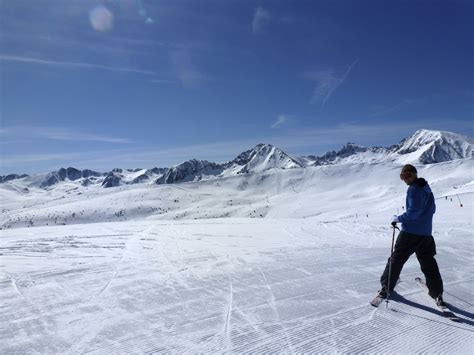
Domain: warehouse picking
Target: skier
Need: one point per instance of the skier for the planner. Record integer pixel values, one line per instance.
(415, 236)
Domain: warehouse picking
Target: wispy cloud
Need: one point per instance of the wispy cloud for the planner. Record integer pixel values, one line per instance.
(164, 81)
(20, 159)
(80, 65)
(110, 45)
(61, 134)
(69, 135)
(327, 83)
(386, 110)
(152, 43)
(188, 74)
(281, 119)
(261, 18)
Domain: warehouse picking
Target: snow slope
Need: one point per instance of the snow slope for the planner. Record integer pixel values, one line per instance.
(340, 190)
(280, 260)
(229, 285)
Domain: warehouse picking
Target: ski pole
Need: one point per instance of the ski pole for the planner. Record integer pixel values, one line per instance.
(390, 265)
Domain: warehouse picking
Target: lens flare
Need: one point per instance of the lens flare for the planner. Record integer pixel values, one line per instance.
(101, 19)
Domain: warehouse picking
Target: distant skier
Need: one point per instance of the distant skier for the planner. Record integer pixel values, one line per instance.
(415, 236)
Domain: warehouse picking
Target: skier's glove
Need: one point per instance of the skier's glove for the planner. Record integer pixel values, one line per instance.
(395, 221)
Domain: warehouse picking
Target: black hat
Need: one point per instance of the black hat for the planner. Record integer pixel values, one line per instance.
(408, 168)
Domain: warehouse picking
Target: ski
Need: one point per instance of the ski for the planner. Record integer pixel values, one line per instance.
(447, 313)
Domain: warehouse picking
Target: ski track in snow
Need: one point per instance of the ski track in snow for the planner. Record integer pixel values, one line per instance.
(227, 328)
(157, 294)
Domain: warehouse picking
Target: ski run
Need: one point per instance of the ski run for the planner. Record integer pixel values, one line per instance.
(210, 275)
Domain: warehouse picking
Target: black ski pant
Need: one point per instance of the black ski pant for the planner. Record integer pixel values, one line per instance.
(425, 249)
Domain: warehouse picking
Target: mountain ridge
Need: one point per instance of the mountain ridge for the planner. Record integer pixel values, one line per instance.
(422, 147)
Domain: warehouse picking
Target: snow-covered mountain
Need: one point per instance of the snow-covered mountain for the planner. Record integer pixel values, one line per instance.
(427, 147)
(261, 158)
(9, 177)
(348, 150)
(191, 170)
(71, 174)
(423, 147)
(263, 181)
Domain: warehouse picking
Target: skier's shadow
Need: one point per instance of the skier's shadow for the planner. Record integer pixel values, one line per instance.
(461, 311)
(399, 298)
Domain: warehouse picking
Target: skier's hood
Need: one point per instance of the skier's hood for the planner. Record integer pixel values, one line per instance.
(421, 182)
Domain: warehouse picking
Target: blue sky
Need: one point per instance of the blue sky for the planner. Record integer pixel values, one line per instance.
(136, 83)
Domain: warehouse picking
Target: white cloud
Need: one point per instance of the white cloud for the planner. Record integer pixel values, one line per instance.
(261, 18)
(31, 60)
(19, 159)
(190, 77)
(109, 44)
(281, 119)
(67, 135)
(62, 134)
(186, 71)
(326, 83)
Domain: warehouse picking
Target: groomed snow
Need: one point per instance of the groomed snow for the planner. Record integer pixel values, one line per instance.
(297, 280)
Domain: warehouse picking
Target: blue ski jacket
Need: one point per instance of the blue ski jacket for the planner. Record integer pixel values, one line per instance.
(420, 208)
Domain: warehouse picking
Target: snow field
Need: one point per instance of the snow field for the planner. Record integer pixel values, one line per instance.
(298, 280)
